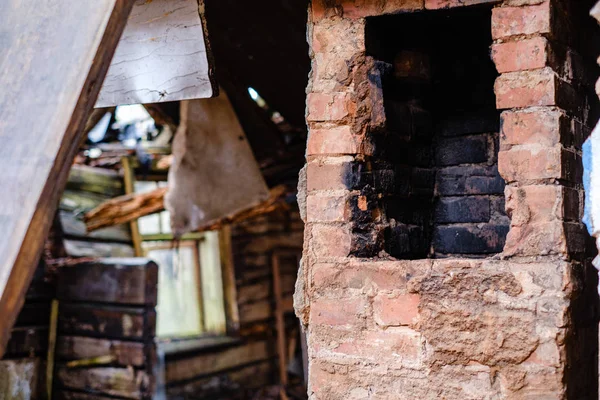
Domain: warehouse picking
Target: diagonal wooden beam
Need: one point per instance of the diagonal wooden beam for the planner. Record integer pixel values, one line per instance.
(55, 54)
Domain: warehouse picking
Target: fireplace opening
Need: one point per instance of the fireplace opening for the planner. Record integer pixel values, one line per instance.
(440, 137)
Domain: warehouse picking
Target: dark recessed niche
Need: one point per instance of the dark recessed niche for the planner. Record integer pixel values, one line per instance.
(440, 139)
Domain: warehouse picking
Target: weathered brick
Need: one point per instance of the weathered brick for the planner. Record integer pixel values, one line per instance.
(526, 89)
(396, 310)
(545, 127)
(528, 20)
(521, 55)
(437, 4)
(541, 203)
(330, 241)
(536, 239)
(327, 208)
(328, 175)
(327, 107)
(391, 346)
(521, 164)
(462, 150)
(338, 140)
(347, 312)
(462, 209)
(469, 239)
(382, 275)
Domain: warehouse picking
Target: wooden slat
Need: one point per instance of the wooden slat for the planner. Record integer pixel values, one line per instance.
(119, 281)
(54, 56)
(79, 348)
(120, 382)
(161, 56)
(204, 364)
(95, 180)
(26, 341)
(68, 395)
(109, 322)
(20, 379)
(232, 315)
(80, 248)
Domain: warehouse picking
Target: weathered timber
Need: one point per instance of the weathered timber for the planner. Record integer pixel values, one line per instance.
(210, 149)
(20, 379)
(202, 364)
(90, 249)
(27, 341)
(68, 395)
(228, 278)
(162, 56)
(71, 348)
(109, 322)
(118, 281)
(130, 207)
(119, 382)
(262, 310)
(104, 182)
(34, 314)
(279, 321)
(261, 290)
(43, 108)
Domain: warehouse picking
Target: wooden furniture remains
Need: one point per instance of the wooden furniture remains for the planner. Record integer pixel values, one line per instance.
(54, 56)
(106, 329)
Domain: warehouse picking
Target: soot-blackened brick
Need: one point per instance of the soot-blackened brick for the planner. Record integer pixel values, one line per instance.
(456, 181)
(470, 239)
(412, 211)
(406, 241)
(469, 124)
(462, 150)
(450, 210)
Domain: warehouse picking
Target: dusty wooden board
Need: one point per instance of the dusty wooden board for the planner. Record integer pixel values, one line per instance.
(118, 382)
(108, 322)
(54, 55)
(210, 150)
(162, 56)
(20, 379)
(117, 281)
(79, 348)
(203, 364)
(80, 248)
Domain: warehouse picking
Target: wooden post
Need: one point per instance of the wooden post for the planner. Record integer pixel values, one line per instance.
(55, 55)
(280, 323)
(228, 275)
(128, 177)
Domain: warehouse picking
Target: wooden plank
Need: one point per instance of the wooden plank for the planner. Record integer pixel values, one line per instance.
(210, 150)
(80, 248)
(213, 302)
(75, 228)
(108, 322)
(262, 310)
(68, 395)
(78, 348)
(20, 379)
(101, 181)
(162, 56)
(121, 382)
(27, 341)
(179, 347)
(34, 314)
(203, 364)
(43, 109)
(129, 189)
(130, 281)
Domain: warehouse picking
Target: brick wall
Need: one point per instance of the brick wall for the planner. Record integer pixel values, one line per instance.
(522, 324)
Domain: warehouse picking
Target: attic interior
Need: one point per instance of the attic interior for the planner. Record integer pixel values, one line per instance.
(218, 321)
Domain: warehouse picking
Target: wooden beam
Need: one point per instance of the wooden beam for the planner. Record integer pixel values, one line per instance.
(55, 55)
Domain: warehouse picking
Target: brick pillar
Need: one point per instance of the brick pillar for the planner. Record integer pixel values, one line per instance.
(519, 325)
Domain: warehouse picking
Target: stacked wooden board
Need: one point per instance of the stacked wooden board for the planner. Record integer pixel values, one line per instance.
(106, 330)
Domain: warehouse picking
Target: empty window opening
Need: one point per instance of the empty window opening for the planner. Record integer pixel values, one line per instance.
(440, 139)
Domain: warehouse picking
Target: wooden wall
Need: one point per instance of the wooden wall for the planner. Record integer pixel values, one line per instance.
(235, 369)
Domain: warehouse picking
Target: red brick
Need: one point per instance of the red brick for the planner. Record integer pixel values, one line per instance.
(347, 312)
(521, 55)
(327, 208)
(436, 4)
(541, 126)
(330, 241)
(327, 107)
(526, 89)
(396, 311)
(326, 176)
(525, 164)
(338, 140)
(528, 20)
(393, 344)
(536, 239)
(535, 204)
